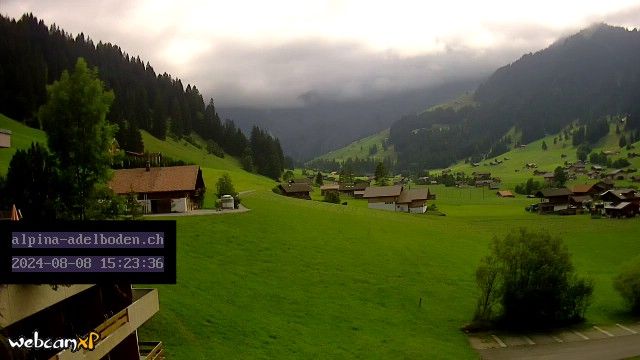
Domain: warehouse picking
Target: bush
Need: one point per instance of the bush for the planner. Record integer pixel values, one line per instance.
(332, 197)
(224, 186)
(528, 282)
(276, 189)
(236, 201)
(620, 163)
(627, 283)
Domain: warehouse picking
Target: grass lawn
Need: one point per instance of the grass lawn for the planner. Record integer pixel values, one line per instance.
(300, 279)
(307, 279)
(21, 138)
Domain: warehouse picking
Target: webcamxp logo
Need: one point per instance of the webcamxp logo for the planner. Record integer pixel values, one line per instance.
(74, 344)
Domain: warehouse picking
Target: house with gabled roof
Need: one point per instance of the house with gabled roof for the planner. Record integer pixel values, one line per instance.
(397, 198)
(296, 190)
(162, 189)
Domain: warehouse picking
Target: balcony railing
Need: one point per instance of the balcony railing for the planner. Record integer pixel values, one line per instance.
(151, 350)
(115, 329)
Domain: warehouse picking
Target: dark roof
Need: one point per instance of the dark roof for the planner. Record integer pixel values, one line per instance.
(330, 187)
(295, 188)
(382, 191)
(621, 194)
(157, 179)
(407, 196)
(582, 188)
(581, 198)
(618, 206)
(553, 192)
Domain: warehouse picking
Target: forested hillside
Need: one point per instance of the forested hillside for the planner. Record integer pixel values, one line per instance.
(582, 78)
(34, 56)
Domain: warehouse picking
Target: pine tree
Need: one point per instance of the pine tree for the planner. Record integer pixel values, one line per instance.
(544, 145)
(623, 141)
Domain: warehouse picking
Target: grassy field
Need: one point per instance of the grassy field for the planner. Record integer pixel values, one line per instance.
(306, 279)
(300, 279)
(512, 171)
(21, 138)
(360, 149)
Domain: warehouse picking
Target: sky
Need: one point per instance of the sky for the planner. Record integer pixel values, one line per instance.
(283, 53)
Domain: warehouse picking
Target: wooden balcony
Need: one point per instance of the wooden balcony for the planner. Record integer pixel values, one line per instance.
(115, 329)
(21, 301)
(151, 350)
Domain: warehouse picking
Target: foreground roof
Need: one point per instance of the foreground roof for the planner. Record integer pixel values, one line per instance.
(582, 188)
(382, 191)
(156, 179)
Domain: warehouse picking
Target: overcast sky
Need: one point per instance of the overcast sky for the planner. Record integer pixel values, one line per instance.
(278, 53)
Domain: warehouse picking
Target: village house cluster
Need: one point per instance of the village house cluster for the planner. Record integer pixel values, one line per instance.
(598, 199)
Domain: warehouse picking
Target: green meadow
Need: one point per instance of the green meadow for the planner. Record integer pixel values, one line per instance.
(307, 279)
(360, 149)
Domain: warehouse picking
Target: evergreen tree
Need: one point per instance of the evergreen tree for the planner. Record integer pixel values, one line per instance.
(32, 182)
(544, 145)
(559, 176)
(319, 181)
(381, 174)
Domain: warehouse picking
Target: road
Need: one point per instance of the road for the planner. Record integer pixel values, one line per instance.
(613, 348)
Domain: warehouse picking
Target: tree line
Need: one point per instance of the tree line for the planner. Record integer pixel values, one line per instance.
(34, 55)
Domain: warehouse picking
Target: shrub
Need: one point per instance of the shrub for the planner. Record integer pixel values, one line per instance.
(627, 283)
(332, 197)
(224, 186)
(276, 189)
(528, 281)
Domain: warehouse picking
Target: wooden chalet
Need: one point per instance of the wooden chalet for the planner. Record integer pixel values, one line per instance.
(5, 138)
(412, 201)
(585, 189)
(620, 195)
(296, 190)
(383, 197)
(553, 199)
(324, 189)
(162, 189)
(622, 209)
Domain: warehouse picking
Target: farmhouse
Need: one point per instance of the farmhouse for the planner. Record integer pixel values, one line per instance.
(296, 190)
(584, 189)
(333, 187)
(618, 195)
(621, 209)
(5, 138)
(552, 200)
(383, 197)
(397, 198)
(162, 189)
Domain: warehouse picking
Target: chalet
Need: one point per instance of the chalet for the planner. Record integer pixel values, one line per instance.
(494, 186)
(412, 201)
(578, 167)
(620, 195)
(617, 174)
(296, 190)
(553, 200)
(596, 168)
(621, 209)
(162, 189)
(580, 201)
(5, 138)
(333, 187)
(383, 197)
(397, 198)
(505, 194)
(602, 186)
(359, 187)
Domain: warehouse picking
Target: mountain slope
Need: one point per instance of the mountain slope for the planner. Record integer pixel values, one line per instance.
(317, 128)
(21, 138)
(576, 78)
(362, 149)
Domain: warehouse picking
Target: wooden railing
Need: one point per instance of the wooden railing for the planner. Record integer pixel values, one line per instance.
(151, 350)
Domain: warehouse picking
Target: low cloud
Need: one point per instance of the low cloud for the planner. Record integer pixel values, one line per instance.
(282, 61)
